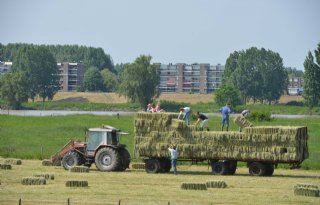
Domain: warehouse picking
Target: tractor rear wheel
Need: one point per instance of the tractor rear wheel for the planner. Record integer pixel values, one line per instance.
(70, 160)
(125, 159)
(107, 159)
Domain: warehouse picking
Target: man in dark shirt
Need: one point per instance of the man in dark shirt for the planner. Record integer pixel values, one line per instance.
(203, 119)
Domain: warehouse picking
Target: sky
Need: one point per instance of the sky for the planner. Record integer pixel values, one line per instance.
(171, 31)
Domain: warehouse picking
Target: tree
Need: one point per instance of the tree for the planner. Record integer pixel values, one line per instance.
(256, 73)
(13, 89)
(293, 72)
(93, 80)
(109, 80)
(139, 80)
(311, 85)
(227, 94)
(40, 69)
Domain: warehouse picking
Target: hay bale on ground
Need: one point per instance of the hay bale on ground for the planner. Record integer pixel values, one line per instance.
(79, 169)
(45, 175)
(76, 183)
(5, 166)
(307, 190)
(138, 166)
(216, 184)
(13, 161)
(193, 186)
(47, 162)
(33, 181)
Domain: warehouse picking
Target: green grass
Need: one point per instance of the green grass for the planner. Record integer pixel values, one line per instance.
(40, 137)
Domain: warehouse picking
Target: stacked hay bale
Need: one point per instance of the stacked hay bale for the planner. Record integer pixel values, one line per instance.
(5, 166)
(81, 169)
(216, 184)
(45, 175)
(307, 190)
(155, 131)
(242, 121)
(77, 183)
(33, 181)
(193, 186)
(47, 162)
(13, 161)
(138, 166)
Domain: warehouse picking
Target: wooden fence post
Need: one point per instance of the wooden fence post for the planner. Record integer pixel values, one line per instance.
(68, 201)
(119, 203)
(19, 201)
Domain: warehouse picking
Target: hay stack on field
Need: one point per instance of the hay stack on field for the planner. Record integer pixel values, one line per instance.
(13, 161)
(79, 169)
(307, 190)
(138, 166)
(45, 175)
(193, 186)
(77, 183)
(5, 166)
(216, 184)
(242, 122)
(33, 181)
(47, 162)
(155, 131)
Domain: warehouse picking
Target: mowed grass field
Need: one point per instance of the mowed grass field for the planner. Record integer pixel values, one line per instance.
(136, 187)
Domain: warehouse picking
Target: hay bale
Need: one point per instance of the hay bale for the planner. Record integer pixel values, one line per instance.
(76, 183)
(79, 169)
(45, 175)
(47, 162)
(33, 181)
(242, 121)
(193, 186)
(138, 166)
(307, 190)
(216, 184)
(5, 166)
(13, 161)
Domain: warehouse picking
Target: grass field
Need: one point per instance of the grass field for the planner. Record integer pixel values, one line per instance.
(40, 137)
(139, 188)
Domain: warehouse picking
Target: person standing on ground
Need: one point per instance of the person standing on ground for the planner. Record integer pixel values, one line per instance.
(225, 116)
(174, 157)
(203, 119)
(185, 112)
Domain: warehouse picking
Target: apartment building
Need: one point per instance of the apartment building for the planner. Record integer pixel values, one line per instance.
(184, 78)
(71, 76)
(295, 86)
(5, 67)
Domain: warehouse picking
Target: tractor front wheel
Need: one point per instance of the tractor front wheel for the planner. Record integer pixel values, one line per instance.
(70, 160)
(107, 159)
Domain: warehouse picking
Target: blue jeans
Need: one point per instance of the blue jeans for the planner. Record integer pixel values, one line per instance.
(225, 120)
(174, 165)
(186, 117)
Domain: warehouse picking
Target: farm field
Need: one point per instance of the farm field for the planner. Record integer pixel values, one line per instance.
(136, 187)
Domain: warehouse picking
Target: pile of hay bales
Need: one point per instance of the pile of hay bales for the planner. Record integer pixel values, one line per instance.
(307, 190)
(155, 131)
(33, 181)
(77, 183)
(5, 166)
(79, 169)
(45, 175)
(13, 161)
(47, 162)
(216, 184)
(242, 121)
(138, 166)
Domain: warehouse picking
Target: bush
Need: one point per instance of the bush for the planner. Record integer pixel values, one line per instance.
(260, 116)
(295, 103)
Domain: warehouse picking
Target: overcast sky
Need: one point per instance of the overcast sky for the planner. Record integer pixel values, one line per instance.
(171, 31)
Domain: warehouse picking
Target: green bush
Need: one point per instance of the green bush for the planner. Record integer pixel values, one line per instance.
(259, 116)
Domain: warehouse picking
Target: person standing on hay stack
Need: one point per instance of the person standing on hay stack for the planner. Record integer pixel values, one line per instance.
(203, 119)
(174, 157)
(245, 115)
(225, 116)
(185, 113)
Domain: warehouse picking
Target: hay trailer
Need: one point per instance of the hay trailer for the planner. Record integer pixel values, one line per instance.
(261, 148)
(102, 148)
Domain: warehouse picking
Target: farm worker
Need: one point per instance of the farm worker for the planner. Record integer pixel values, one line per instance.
(225, 116)
(185, 112)
(157, 108)
(245, 113)
(149, 108)
(203, 119)
(174, 157)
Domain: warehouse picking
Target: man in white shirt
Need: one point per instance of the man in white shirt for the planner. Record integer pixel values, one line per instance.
(174, 157)
(185, 112)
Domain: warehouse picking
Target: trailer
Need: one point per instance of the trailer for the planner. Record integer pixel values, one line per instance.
(262, 148)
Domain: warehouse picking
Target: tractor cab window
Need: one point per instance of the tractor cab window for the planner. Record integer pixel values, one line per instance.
(95, 140)
(112, 138)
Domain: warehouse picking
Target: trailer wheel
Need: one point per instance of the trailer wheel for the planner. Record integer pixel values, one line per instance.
(125, 159)
(257, 169)
(165, 165)
(152, 166)
(232, 167)
(107, 159)
(70, 160)
(219, 168)
(269, 169)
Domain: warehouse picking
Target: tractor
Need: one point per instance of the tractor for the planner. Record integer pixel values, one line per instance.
(102, 148)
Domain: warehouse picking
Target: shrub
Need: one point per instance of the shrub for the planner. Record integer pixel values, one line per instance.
(260, 116)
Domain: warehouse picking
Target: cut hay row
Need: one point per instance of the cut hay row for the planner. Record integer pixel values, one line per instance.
(47, 162)
(79, 169)
(216, 184)
(193, 186)
(13, 161)
(302, 191)
(5, 166)
(138, 166)
(33, 181)
(242, 122)
(154, 131)
(76, 183)
(45, 175)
